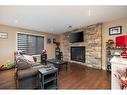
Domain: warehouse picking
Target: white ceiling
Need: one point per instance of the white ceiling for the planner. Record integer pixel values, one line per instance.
(56, 19)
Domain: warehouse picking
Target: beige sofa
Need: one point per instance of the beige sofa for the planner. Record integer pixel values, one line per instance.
(27, 78)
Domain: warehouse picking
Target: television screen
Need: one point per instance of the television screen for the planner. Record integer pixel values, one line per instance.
(76, 37)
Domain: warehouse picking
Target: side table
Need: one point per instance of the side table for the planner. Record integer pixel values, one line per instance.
(48, 78)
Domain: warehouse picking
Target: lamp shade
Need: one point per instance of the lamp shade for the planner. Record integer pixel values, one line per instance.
(121, 41)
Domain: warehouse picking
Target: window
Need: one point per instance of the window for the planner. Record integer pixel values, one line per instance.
(30, 44)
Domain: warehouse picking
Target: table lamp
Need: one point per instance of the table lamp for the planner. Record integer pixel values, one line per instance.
(121, 41)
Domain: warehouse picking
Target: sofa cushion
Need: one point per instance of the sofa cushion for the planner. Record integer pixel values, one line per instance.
(36, 64)
(26, 73)
(38, 67)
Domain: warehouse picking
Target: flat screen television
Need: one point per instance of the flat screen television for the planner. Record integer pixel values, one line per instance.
(76, 37)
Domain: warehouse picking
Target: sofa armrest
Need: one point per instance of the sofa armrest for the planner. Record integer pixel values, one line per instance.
(26, 73)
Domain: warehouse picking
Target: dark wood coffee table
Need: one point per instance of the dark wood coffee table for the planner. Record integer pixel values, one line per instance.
(57, 63)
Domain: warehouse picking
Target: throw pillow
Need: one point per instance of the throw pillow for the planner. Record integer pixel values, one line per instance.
(29, 58)
(35, 59)
(22, 64)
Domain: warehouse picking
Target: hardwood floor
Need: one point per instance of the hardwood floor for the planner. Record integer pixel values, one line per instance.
(76, 77)
(7, 80)
(81, 77)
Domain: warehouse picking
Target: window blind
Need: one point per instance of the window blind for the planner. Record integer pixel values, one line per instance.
(30, 44)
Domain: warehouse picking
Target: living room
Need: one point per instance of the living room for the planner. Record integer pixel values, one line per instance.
(85, 60)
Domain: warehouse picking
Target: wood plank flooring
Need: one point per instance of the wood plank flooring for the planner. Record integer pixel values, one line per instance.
(76, 77)
(82, 77)
(7, 80)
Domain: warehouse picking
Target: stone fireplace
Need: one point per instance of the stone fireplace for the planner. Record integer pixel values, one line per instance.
(78, 53)
(92, 44)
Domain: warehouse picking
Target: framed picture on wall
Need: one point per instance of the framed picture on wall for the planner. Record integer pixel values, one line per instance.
(3, 35)
(115, 30)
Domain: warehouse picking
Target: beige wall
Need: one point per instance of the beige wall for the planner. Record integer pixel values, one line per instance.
(105, 34)
(8, 46)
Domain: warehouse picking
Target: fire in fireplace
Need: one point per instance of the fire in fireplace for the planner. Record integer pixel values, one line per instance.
(78, 53)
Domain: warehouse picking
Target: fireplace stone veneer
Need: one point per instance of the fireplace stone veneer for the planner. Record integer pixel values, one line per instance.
(92, 43)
